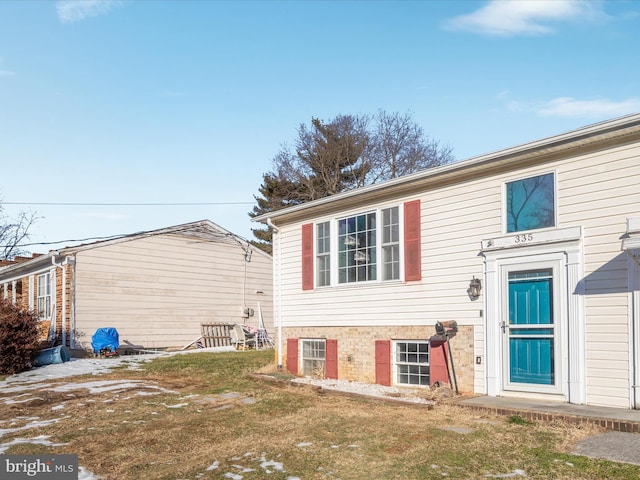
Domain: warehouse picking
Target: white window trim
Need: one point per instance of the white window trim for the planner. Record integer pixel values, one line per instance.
(301, 357)
(333, 226)
(50, 277)
(503, 202)
(394, 362)
(331, 253)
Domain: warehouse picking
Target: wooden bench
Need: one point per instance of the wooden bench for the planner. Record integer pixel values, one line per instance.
(216, 334)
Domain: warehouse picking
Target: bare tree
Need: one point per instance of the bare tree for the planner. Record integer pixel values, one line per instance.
(400, 147)
(347, 152)
(13, 232)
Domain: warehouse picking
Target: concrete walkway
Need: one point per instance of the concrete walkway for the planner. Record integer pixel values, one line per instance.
(620, 443)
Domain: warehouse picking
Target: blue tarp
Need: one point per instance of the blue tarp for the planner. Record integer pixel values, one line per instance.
(105, 338)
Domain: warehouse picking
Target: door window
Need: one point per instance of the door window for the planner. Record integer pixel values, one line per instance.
(531, 328)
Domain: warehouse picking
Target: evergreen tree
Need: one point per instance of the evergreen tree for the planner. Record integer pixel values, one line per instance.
(348, 152)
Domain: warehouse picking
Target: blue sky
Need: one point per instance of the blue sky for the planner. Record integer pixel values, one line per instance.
(149, 102)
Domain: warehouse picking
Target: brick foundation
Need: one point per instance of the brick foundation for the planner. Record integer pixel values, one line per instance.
(356, 348)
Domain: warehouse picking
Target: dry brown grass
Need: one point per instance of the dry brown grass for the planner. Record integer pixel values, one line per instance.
(314, 434)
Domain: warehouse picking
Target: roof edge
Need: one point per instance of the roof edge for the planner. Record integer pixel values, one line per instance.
(563, 141)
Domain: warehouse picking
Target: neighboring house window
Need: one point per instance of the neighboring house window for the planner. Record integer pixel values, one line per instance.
(357, 248)
(323, 257)
(390, 244)
(411, 362)
(531, 203)
(313, 358)
(44, 296)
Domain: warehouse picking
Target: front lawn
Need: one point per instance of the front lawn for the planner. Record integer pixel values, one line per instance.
(202, 416)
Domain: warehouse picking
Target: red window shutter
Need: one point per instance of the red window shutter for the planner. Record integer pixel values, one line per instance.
(412, 244)
(383, 362)
(331, 359)
(292, 355)
(438, 362)
(307, 256)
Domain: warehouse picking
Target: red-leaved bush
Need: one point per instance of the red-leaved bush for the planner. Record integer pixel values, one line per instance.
(18, 338)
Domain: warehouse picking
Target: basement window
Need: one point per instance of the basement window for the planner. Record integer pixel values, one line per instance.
(411, 362)
(314, 358)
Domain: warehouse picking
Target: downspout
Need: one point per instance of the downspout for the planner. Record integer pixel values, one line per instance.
(277, 293)
(62, 266)
(72, 302)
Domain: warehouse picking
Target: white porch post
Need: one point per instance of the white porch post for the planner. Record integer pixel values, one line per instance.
(576, 327)
(492, 328)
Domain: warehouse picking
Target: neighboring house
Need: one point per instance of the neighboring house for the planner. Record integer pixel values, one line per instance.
(156, 288)
(550, 228)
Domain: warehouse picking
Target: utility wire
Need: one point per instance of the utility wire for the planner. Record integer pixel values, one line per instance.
(127, 204)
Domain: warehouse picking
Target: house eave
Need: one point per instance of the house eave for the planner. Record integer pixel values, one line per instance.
(29, 267)
(582, 140)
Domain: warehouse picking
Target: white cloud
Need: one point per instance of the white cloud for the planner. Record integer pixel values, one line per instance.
(568, 107)
(76, 10)
(524, 17)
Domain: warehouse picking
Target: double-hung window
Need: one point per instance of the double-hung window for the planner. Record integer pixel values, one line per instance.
(531, 203)
(44, 296)
(390, 244)
(323, 254)
(411, 362)
(314, 357)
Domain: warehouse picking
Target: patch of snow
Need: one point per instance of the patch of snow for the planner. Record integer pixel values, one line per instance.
(304, 444)
(91, 366)
(31, 424)
(213, 466)
(233, 476)
(84, 474)
(101, 386)
(39, 440)
(177, 405)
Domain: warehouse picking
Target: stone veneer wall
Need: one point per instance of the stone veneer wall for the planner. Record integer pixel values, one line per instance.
(356, 348)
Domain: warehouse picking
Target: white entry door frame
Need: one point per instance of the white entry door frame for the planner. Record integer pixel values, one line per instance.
(558, 251)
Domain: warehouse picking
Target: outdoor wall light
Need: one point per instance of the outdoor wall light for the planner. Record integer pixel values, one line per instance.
(475, 285)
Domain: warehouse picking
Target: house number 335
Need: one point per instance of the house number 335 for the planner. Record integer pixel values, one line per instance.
(524, 238)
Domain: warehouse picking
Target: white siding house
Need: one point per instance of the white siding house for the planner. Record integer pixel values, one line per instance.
(156, 288)
(550, 228)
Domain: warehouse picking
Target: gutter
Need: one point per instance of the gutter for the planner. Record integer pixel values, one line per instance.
(277, 291)
(588, 137)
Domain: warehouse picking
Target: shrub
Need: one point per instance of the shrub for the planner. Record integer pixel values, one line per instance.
(18, 338)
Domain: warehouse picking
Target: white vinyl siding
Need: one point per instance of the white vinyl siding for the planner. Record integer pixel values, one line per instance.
(156, 291)
(596, 191)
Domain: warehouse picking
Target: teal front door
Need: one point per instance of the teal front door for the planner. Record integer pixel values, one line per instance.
(530, 331)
